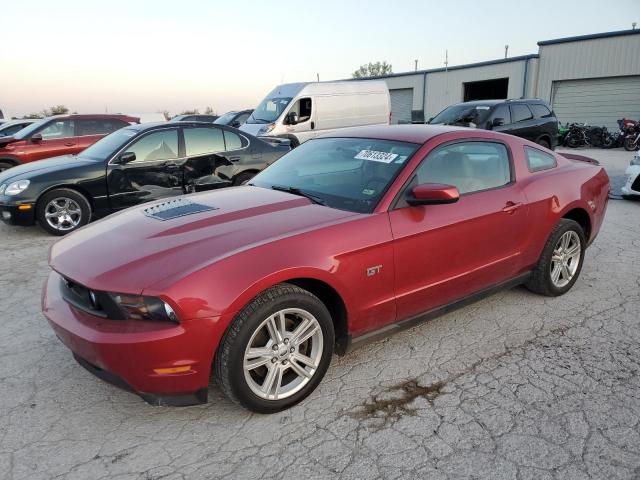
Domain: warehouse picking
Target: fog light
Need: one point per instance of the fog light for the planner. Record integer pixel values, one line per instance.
(6, 215)
(166, 371)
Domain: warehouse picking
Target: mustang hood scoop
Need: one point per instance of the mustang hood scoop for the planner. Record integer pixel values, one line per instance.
(178, 207)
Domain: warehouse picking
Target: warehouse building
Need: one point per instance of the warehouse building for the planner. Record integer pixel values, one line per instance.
(591, 78)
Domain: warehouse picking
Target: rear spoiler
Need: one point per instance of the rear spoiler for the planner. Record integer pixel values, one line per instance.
(277, 141)
(580, 158)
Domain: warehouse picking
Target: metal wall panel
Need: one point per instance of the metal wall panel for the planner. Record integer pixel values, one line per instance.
(401, 104)
(446, 88)
(599, 101)
(602, 57)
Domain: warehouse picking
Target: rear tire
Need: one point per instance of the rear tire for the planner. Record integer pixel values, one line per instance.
(630, 144)
(543, 142)
(549, 277)
(572, 142)
(62, 211)
(4, 165)
(267, 368)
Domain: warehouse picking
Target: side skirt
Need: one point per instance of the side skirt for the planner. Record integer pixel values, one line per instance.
(353, 343)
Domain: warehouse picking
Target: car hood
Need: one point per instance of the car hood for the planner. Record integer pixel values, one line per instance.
(131, 251)
(252, 128)
(41, 167)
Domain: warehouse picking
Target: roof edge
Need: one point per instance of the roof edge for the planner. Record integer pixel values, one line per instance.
(592, 36)
(454, 67)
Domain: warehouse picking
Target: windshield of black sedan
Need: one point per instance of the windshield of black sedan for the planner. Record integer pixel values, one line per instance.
(107, 146)
(345, 173)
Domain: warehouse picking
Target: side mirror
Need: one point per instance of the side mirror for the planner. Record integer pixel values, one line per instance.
(126, 157)
(235, 124)
(497, 122)
(37, 138)
(433, 194)
(292, 118)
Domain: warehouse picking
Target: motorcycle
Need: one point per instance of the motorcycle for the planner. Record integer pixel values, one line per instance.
(577, 135)
(630, 134)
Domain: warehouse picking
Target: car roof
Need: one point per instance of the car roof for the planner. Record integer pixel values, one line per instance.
(497, 101)
(401, 133)
(142, 127)
(92, 116)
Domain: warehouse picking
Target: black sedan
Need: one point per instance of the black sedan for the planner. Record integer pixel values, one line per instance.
(133, 165)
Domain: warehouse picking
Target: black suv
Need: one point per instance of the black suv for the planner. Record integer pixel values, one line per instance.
(532, 119)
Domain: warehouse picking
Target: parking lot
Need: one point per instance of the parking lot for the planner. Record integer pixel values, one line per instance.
(517, 386)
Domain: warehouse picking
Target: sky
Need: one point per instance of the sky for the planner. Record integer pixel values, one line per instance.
(135, 56)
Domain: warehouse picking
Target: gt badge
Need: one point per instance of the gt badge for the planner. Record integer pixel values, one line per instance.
(371, 271)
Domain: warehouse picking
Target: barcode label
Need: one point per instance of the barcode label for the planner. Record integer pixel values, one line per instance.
(375, 156)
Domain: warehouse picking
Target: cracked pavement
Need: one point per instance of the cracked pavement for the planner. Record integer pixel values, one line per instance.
(516, 386)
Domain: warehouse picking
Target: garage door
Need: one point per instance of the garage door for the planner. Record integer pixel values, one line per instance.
(401, 104)
(597, 101)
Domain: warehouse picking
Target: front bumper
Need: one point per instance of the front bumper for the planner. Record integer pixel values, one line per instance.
(127, 353)
(632, 184)
(18, 213)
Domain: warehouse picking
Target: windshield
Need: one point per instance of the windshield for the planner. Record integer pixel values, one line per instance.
(28, 131)
(462, 114)
(107, 146)
(344, 173)
(269, 110)
(226, 118)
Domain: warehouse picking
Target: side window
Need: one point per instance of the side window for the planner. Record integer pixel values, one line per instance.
(539, 110)
(156, 146)
(520, 112)
(59, 129)
(233, 141)
(99, 127)
(469, 166)
(199, 141)
(303, 108)
(502, 111)
(538, 160)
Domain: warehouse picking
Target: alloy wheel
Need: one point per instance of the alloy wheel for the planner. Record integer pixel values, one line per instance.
(566, 258)
(283, 354)
(63, 214)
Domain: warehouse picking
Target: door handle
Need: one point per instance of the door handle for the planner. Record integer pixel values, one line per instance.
(313, 125)
(69, 144)
(511, 207)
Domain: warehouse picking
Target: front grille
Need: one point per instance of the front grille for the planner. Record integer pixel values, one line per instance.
(80, 297)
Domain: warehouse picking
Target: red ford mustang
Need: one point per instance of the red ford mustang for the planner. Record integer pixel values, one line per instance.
(346, 238)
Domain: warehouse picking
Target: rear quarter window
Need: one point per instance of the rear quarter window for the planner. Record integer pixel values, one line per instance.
(539, 110)
(538, 160)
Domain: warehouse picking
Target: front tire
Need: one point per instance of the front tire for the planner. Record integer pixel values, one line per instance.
(62, 211)
(561, 261)
(543, 142)
(276, 350)
(243, 178)
(630, 144)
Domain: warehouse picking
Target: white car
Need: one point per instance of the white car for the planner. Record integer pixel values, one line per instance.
(632, 186)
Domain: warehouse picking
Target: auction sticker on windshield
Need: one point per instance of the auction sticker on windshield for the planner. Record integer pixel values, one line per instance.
(376, 156)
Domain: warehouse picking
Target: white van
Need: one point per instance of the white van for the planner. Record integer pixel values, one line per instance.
(300, 111)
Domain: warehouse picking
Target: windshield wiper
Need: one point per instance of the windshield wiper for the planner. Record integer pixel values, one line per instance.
(297, 191)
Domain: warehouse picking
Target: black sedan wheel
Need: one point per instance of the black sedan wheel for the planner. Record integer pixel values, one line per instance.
(62, 211)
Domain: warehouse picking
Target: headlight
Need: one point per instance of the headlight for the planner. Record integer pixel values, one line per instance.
(16, 187)
(267, 128)
(635, 160)
(138, 307)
